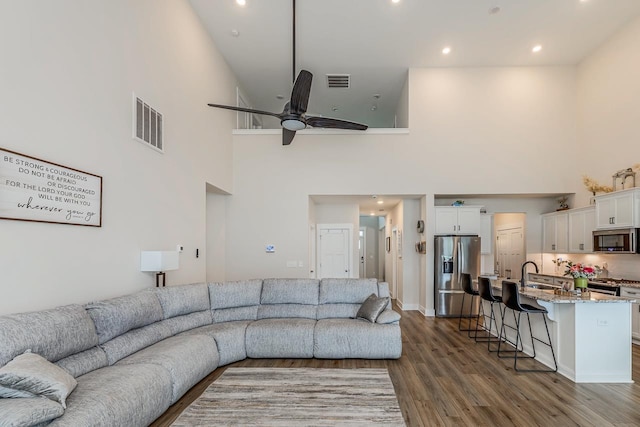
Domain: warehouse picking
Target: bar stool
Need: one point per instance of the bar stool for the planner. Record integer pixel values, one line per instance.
(486, 294)
(511, 299)
(468, 289)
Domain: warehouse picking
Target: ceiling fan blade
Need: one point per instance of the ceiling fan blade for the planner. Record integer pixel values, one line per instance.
(245, 110)
(328, 122)
(287, 136)
(300, 93)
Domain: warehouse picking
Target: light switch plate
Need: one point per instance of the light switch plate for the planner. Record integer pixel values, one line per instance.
(270, 249)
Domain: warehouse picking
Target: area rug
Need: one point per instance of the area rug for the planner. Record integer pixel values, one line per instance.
(296, 397)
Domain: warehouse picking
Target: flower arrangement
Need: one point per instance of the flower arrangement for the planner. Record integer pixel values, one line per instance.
(594, 186)
(578, 270)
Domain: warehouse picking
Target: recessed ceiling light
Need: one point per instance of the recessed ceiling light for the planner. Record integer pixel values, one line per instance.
(380, 202)
(279, 97)
(235, 33)
(334, 108)
(241, 2)
(372, 214)
(395, 1)
(494, 10)
(374, 107)
(446, 50)
(537, 48)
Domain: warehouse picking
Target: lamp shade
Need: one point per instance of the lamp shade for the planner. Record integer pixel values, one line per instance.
(159, 261)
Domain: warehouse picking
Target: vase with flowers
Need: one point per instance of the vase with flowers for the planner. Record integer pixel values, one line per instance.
(580, 272)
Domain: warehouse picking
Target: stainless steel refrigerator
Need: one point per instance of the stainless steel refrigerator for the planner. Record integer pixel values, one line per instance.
(455, 255)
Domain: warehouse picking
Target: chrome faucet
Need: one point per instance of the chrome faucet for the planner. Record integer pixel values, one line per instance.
(523, 281)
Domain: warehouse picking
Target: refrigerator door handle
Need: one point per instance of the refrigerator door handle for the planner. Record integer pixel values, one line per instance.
(460, 261)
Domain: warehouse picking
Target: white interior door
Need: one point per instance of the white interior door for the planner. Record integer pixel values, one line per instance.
(511, 252)
(334, 251)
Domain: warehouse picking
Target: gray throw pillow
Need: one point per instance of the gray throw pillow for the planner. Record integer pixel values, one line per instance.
(372, 307)
(34, 374)
(28, 412)
(10, 393)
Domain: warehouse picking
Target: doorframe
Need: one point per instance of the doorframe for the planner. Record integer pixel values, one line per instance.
(364, 252)
(312, 252)
(349, 228)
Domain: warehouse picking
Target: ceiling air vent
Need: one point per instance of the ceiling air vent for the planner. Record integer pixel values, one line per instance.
(147, 124)
(342, 81)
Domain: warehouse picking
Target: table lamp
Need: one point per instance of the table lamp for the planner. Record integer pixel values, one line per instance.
(159, 262)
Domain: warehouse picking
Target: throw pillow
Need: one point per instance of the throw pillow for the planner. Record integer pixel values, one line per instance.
(372, 307)
(34, 374)
(10, 393)
(28, 412)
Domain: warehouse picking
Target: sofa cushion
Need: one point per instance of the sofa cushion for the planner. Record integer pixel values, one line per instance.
(280, 338)
(230, 339)
(84, 362)
(372, 307)
(34, 374)
(235, 313)
(356, 339)
(114, 317)
(188, 358)
(188, 321)
(135, 340)
(349, 291)
(28, 412)
(287, 311)
(128, 395)
(53, 334)
(290, 291)
(340, 311)
(242, 293)
(184, 299)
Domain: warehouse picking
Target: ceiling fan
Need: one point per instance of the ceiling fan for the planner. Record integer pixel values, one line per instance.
(293, 117)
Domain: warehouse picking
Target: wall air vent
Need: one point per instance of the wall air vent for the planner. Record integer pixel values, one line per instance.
(147, 124)
(342, 81)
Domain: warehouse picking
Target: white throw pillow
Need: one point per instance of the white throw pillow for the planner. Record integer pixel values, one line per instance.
(34, 374)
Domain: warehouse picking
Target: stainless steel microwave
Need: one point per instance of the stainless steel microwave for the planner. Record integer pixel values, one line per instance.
(618, 241)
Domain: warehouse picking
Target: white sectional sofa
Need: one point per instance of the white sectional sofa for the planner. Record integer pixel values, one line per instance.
(136, 355)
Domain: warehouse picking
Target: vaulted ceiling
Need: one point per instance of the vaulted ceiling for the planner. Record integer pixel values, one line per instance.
(377, 41)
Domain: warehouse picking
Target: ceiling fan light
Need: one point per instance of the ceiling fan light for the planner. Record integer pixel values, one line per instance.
(293, 125)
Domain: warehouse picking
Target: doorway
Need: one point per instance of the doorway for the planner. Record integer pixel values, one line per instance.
(334, 251)
(362, 252)
(510, 244)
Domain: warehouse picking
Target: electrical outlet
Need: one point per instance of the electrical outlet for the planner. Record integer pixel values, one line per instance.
(602, 322)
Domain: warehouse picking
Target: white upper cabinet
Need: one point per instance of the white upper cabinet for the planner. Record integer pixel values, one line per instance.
(582, 222)
(457, 220)
(555, 232)
(618, 209)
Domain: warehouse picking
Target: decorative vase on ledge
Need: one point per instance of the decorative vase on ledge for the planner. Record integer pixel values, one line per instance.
(580, 282)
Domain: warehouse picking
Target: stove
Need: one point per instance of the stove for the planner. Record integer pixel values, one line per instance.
(610, 286)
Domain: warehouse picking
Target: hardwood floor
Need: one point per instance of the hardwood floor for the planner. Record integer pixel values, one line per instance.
(445, 379)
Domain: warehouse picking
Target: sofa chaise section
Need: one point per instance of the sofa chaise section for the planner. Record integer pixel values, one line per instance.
(339, 335)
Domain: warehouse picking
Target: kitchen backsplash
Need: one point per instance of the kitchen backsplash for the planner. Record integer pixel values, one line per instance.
(626, 266)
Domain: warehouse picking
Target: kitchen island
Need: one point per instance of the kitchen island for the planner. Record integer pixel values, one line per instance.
(591, 336)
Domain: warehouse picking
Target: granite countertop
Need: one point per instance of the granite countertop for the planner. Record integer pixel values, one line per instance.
(549, 296)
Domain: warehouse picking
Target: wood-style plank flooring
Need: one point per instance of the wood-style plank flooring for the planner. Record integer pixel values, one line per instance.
(445, 379)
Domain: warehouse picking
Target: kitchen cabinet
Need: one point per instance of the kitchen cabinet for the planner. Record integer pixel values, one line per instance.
(582, 222)
(457, 220)
(555, 232)
(635, 311)
(486, 234)
(619, 209)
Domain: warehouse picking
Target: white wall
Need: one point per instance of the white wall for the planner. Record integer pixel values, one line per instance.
(474, 131)
(67, 76)
(608, 105)
(402, 110)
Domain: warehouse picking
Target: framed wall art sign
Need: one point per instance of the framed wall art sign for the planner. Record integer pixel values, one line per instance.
(36, 190)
